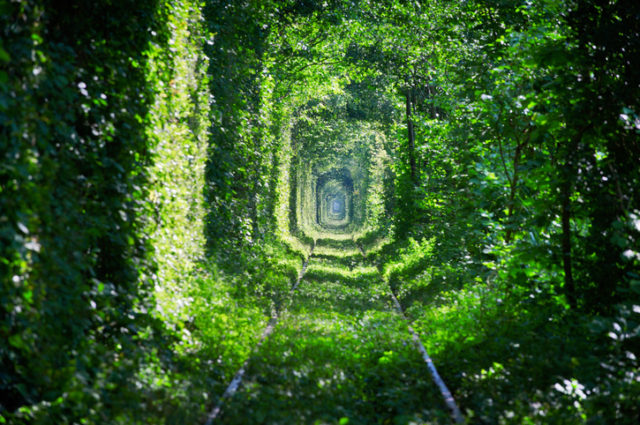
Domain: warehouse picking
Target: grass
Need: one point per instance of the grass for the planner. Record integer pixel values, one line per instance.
(341, 355)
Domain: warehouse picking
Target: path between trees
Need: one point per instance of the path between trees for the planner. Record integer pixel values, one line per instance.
(338, 352)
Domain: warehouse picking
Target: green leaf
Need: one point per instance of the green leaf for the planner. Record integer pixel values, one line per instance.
(4, 55)
(16, 341)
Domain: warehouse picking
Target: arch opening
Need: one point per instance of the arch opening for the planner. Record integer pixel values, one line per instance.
(334, 199)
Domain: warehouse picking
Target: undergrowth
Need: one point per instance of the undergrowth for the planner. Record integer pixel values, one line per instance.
(511, 350)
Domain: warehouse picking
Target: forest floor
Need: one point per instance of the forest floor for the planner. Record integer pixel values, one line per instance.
(340, 354)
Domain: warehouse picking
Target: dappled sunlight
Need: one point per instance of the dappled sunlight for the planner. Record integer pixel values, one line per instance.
(320, 212)
(341, 346)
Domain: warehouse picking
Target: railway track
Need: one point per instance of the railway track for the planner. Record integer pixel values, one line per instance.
(340, 351)
(456, 414)
(233, 386)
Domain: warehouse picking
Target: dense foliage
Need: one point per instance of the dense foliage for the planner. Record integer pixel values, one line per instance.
(76, 271)
(168, 166)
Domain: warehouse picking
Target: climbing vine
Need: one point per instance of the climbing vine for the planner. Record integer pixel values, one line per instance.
(169, 166)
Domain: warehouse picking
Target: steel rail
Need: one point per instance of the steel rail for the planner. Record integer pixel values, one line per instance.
(233, 386)
(456, 414)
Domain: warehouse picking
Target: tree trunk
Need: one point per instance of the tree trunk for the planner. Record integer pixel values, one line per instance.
(411, 136)
(512, 194)
(566, 241)
(567, 173)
